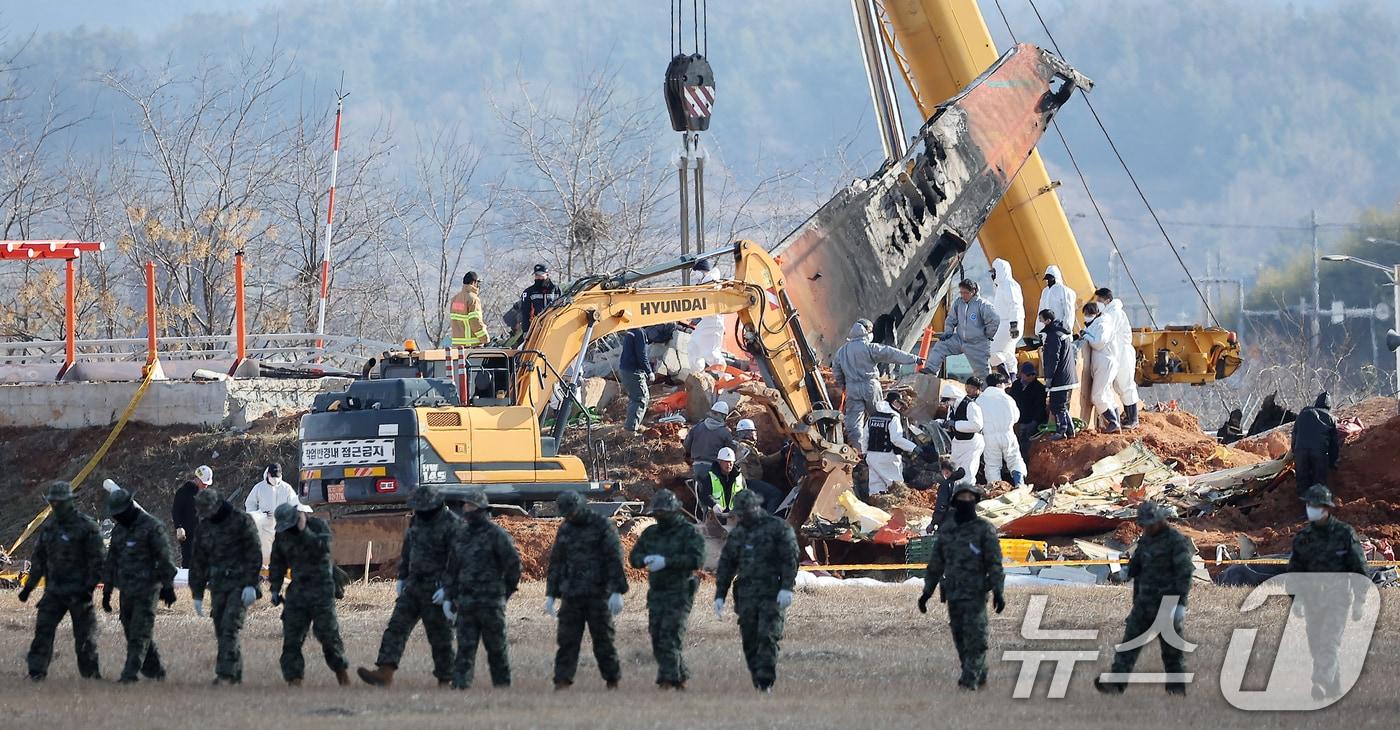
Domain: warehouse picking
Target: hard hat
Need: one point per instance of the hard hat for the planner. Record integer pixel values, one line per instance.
(426, 497)
(117, 502)
(664, 501)
(1150, 513)
(720, 407)
(476, 496)
(950, 391)
(725, 454)
(286, 516)
(59, 492)
(205, 475)
(568, 502)
(207, 502)
(1319, 494)
(746, 424)
(747, 499)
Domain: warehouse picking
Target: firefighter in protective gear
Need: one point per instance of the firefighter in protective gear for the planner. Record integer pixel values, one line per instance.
(883, 461)
(1103, 364)
(1125, 377)
(855, 369)
(468, 329)
(1057, 298)
(964, 427)
(999, 417)
(1010, 307)
(707, 341)
(969, 329)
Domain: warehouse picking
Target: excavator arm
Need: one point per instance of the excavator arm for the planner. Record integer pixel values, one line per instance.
(770, 330)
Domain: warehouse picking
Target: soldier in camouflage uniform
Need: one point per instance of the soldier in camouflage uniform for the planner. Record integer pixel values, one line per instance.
(303, 545)
(586, 572)
(140, 564)
(1326, 545)
(1160, 568)
(422, 564)
(227, 558)
(68, 558)
(760, 560)
(671, 550)
(483, 572)
(965, 565)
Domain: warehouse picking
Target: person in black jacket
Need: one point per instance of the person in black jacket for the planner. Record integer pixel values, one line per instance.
(182, 513)
(1058, 355)
(1316, 446)
(1029, 394)
(537, 297)
(634, 370)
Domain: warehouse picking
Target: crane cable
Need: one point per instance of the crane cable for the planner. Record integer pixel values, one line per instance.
(1085, 183)
(700, 26)
(1123, 163)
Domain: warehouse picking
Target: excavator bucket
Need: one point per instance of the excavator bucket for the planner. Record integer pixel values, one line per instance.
(886, 248)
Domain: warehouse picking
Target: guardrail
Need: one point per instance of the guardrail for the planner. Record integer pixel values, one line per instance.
(286, 350)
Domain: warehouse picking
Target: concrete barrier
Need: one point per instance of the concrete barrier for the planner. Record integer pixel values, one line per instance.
(223, 404)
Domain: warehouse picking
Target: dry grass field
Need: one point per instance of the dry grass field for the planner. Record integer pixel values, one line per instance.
(853, 658)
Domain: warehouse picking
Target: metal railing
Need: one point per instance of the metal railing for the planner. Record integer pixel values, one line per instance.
(287, 350)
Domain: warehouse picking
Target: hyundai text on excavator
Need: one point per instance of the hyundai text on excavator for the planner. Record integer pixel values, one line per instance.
(369, 447)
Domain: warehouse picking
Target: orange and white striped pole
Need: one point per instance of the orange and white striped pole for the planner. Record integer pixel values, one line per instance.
(330, 224)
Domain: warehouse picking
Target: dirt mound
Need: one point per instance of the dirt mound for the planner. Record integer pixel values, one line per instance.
(535, 536)
(1275, 443)
(1176, 437)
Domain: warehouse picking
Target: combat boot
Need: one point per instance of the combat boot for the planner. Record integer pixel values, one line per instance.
(613, 683)
(342, 677)
(1176, 688)
(444, 683)
(382, 676)
(665, 685)
(1130, 416)
(294, 682)
(678, 686)
(1111, 424)
(1109, 688)
(562, 684)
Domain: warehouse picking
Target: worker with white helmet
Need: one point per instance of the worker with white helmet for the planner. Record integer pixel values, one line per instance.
(756, 466)
(722, 483)
(182, 513)
(886, 442)
(999, 417)
(705, 439)
(964, 426)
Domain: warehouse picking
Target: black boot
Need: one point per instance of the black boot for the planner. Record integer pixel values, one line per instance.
(1130, 416)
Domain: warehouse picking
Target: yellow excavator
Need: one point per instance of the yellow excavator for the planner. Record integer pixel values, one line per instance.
(937, 47)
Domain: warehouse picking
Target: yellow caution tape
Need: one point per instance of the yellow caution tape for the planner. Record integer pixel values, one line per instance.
(92, 463)
(1053, 563)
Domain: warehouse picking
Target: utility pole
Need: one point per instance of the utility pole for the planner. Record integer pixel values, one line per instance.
(1316, 291)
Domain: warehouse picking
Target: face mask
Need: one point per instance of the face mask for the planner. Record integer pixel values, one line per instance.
(578, 516)
(275, 481)
(964, 511)
(668, 518)
(477, 515)
(126, 516)
(1316, 514)
(222, 512)
(62, 508)
(750, 516)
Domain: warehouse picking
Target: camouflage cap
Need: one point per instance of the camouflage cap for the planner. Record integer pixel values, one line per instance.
(746, 500)
(568, 502)
(476, 496)
(664, 501)
(424, 498)
(207, 502)
(59, 492)
(286, 516)
(118, 501)
(1150, 513)
(1319, 494)
(961, 487)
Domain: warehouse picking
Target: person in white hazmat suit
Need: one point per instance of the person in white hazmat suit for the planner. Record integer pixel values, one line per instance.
(263, 501)
(707, 341)
(1125, 378)
(964, 427)
(968, 330)
(1057, 298)
(1010, 307)
(1097, 339)
(885, 442)
(999, 417)
(854, 367)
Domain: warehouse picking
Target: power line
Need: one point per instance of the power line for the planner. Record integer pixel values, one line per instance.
(1227, 225)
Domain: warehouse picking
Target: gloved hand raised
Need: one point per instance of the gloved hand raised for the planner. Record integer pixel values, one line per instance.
(654, 562)
(439, 596)
(167, 594)
(615, 603)
(250, 594)
(719, 608)
(784, 598)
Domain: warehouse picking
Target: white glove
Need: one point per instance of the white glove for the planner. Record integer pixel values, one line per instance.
(199, 607)
(719, 608)
(1179, 615)
(398, 587)
(180, 534)
(655, 562)
(110, 485)
(784, 599)
(250, 594)
(448, 612)
(549, 606)
(439, 596)
(615, 603)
